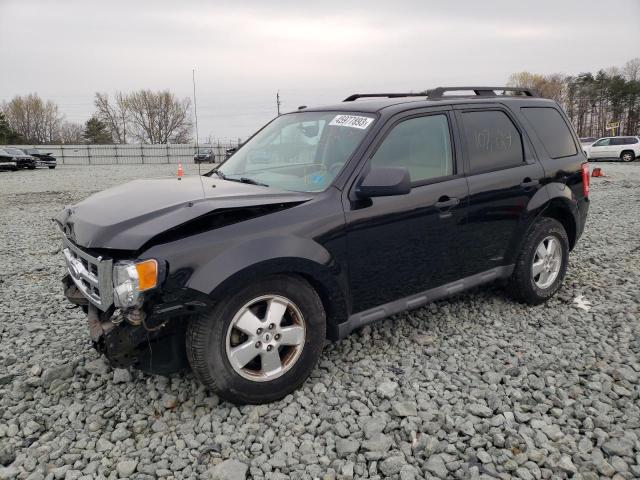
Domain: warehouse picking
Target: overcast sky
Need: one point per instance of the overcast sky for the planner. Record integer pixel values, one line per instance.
(313, 52)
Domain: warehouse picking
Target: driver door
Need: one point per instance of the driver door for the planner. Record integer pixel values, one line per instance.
(402, 245)
(600, 149)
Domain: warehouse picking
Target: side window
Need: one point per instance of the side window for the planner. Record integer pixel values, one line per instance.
(617, 141)
(632, 140)
(602, 143)
(422, 145)
(492, 139)
(552, 131)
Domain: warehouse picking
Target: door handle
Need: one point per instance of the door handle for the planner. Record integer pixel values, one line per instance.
(527, 183)
(446, 203)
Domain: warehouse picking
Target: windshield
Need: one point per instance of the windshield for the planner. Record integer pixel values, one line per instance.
(301, 151)
(14, 151)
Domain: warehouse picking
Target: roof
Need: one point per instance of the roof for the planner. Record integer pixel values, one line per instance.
(375, 105)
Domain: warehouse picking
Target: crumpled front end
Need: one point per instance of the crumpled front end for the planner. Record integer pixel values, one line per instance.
(149, 335)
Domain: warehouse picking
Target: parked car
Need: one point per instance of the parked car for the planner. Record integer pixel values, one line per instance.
(204, 156)
(7, 161)
(22, 159)
(42, 159)
(626, 149)
(363, 209)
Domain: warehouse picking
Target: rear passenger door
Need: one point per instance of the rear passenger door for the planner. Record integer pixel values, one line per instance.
(503, 175)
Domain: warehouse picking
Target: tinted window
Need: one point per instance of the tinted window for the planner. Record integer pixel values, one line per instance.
(630, 140)
(422, 145)
(617, 141)
(492, 139)
(552, 131)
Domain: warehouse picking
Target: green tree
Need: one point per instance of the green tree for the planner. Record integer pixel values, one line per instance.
(96, 132)
(7, 135)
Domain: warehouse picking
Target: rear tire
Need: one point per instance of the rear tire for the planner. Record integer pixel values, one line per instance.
(232, 349)
(542, 263)
(627, 156)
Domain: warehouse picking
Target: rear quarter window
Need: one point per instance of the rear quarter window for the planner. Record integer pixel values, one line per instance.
(552, 130)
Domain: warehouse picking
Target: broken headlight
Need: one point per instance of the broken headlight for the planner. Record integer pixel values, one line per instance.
(130, 279)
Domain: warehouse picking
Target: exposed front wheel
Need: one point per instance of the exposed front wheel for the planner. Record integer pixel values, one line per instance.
(627, 156)
(261, 343)
(542, 263)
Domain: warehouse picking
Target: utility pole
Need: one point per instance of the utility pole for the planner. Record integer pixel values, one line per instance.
(195, 105)
(278, 102)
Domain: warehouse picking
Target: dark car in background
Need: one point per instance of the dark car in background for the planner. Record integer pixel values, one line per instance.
(7, 161)
(204, 156)
(22, 159)
(42, 159)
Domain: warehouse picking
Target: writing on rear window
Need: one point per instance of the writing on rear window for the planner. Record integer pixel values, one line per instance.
(354, 121)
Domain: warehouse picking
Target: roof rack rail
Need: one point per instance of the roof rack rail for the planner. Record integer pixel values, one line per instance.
(437, 93)
(356, 96)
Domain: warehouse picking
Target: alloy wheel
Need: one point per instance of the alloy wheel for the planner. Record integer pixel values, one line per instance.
(547, 262)
(265, 338)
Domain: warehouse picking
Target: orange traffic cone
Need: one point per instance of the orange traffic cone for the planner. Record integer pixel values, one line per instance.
(180, 171)
(597, 172)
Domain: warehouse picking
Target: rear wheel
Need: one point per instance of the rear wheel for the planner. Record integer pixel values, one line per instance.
(542, 263)
(627, 156)
(261, 343)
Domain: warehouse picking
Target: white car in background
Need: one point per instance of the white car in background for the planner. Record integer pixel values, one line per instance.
(626, 149)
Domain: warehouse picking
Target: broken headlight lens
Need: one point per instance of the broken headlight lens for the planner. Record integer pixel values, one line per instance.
(132, 278)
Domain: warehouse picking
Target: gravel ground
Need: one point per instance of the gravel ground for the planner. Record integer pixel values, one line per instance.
(475, 386)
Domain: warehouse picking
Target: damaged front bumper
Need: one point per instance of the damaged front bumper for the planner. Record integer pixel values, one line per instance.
(151, 338)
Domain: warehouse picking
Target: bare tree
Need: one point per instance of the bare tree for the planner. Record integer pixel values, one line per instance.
(145, 116)
(548, 86)
(631, 70)
(33, 119)
(159, 117)
(71, 133)
(113, 115)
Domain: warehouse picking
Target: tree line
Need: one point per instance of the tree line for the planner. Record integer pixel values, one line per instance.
(142, 116)
(593, 101)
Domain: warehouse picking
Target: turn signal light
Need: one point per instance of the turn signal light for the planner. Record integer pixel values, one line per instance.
(147, 274)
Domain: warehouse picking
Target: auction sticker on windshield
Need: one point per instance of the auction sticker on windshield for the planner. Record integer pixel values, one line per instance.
(353, 121)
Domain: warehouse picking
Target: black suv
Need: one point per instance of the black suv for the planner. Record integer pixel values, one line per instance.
(326, 220)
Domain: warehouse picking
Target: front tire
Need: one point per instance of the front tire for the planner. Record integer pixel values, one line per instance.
(627, 156)
(260, 343)
(542, 263)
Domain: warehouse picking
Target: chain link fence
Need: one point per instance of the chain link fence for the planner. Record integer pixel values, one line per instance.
(131, 153)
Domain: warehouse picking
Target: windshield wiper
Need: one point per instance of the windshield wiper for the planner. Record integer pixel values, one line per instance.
(248, 180)
(251, 181)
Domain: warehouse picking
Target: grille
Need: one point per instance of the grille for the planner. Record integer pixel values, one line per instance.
(92, 275)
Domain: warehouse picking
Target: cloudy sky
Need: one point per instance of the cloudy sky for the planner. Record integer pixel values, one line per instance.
(312, 52)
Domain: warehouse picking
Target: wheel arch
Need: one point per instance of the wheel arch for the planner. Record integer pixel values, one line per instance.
(291, 255)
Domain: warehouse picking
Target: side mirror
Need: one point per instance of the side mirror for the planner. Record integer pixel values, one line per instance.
(384, 182)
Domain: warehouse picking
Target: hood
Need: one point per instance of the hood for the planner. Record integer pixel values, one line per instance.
(127, 216)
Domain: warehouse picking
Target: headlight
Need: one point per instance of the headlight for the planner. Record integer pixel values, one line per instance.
(130, 279)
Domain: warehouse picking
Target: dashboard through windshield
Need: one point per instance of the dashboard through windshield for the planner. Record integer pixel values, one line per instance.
(302, 151)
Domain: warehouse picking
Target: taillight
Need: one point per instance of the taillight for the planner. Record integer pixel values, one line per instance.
(585, 179)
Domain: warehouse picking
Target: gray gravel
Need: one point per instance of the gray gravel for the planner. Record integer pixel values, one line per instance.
(471, 387)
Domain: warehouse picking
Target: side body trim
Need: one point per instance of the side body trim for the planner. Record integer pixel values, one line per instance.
(366, 317)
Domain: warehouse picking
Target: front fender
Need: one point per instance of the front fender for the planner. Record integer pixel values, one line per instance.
(217, 269)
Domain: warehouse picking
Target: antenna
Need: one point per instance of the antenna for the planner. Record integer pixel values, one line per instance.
(278, 102)
(195, 111)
